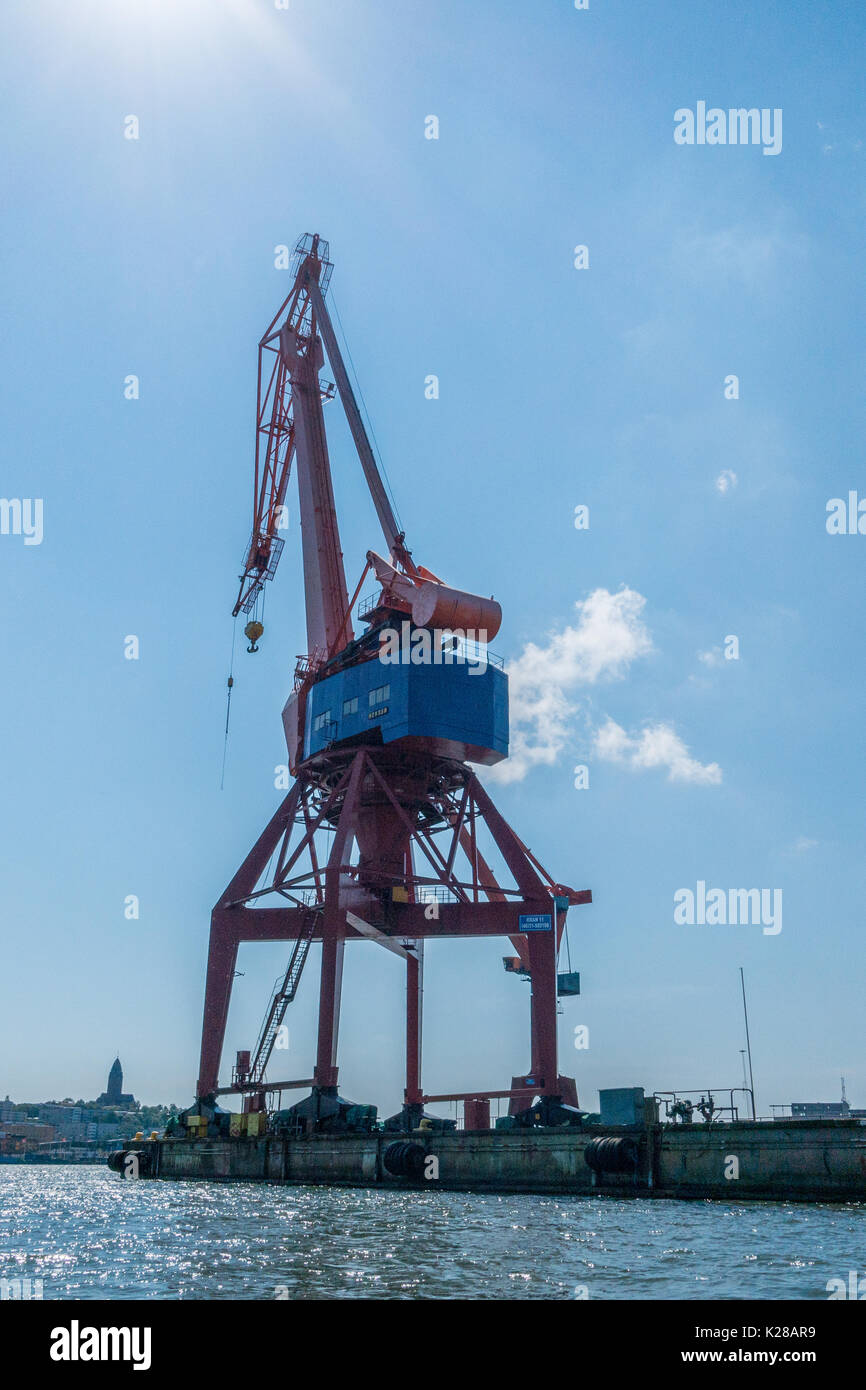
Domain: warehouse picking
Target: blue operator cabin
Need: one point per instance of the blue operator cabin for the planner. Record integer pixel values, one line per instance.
(457, 697)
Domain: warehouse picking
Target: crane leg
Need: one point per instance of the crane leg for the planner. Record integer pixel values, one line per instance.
(223, 948)
(330, 990)
(540, 950)
(334, 932)
(541, 957)
(414, 978)
(221, 960)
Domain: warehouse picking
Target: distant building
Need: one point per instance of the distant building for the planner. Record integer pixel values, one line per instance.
(113, 1093)
(102, 1130)
(820, 1110)
(69, 1121)
(26, 1133)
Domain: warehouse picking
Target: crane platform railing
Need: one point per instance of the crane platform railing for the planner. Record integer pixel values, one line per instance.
(462, 649)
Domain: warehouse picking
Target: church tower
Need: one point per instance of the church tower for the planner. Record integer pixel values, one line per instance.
(114, 1089)
(113, 1094)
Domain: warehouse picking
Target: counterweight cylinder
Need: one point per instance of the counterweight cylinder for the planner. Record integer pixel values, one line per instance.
(434, 605)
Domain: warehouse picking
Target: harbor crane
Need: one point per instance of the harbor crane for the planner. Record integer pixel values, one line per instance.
(385, 833)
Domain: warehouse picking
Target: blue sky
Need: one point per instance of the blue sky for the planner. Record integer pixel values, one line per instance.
(558, 387)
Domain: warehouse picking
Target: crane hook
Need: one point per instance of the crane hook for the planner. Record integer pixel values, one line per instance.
(254, 631)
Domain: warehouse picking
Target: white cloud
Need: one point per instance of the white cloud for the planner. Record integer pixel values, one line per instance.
(713, 657)
(657, 746)
(802, 845)
(726, 480)
(741, 254)
(608, 637)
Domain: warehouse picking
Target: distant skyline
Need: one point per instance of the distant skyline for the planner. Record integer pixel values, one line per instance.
(103, 1097)
(649, 394)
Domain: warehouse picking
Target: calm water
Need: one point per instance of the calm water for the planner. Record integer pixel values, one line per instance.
(88, 1234)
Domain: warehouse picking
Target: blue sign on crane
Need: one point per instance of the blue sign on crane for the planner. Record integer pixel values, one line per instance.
(535, 921)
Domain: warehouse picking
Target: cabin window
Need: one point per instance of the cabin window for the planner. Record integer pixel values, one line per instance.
(350, 706)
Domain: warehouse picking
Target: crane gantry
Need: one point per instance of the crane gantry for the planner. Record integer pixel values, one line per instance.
(380, 836)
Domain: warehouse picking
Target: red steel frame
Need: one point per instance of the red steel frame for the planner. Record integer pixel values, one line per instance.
(396, 808)
(390, 804)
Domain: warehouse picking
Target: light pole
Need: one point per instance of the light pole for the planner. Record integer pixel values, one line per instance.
(748, 1043)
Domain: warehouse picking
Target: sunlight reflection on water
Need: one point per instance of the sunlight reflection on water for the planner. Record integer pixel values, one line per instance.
(89, 1235)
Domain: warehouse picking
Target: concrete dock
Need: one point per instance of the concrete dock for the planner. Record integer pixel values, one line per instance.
(808, 1161)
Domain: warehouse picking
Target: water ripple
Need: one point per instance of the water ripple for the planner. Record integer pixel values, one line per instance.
(89, 1235)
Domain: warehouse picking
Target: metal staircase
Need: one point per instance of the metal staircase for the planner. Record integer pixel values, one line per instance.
(284, 992)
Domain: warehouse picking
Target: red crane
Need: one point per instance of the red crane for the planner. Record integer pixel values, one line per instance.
(386, 834)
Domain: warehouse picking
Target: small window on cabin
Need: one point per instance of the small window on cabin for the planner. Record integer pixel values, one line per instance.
(380, 695)
(321, 720)
(350, 706)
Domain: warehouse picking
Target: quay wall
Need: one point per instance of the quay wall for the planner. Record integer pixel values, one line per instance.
(801, 1161)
